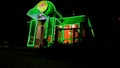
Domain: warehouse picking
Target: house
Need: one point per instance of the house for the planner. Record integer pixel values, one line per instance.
(48, 26)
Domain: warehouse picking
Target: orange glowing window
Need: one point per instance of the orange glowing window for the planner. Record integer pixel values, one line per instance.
(67, 34)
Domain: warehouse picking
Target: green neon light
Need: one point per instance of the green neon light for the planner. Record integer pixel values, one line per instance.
(58, 22)
(28, 43)
(32, 34)
(58, 14)
(46, 28)
(53, 24)
(53, 19)
(50, 9)
(33, 13)
(89, 23)
(74, 19)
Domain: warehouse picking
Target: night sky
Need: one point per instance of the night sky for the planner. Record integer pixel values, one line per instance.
(104, 17)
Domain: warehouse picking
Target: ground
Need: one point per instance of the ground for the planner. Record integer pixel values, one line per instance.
(51, 58)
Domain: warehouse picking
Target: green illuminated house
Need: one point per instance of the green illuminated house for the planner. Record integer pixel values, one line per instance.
(48, 26)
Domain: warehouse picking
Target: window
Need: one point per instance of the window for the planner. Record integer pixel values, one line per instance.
(69, 33)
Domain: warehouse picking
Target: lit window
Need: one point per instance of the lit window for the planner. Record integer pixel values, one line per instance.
(73, 26)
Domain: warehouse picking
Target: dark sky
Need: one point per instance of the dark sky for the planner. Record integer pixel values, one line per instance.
(15, 28)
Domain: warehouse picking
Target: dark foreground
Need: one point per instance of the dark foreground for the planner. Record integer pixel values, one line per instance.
(56, 58)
